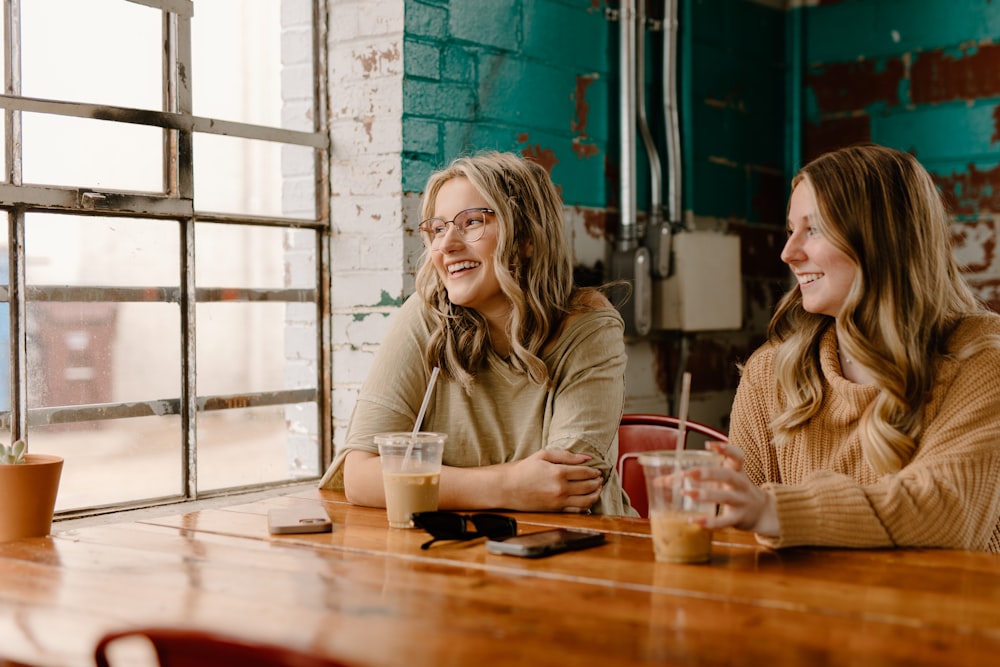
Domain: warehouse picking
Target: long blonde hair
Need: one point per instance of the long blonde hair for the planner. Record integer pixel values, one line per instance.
(881, 208)
(539, 287)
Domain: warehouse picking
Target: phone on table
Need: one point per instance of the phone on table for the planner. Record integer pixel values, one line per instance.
(298, 520)
(545, 543)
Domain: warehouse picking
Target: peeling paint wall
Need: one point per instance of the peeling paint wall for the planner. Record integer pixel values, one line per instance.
(534, 82)
(922, 76)
(416, 83)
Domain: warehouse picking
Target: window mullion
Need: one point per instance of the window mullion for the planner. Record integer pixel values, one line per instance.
(180, 157)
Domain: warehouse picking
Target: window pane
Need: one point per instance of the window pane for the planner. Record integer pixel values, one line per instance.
(254, 347)
(99, 350)
(254, 256)
(244, 176)
(114, 461)
(257, 445)
(60, 150)
(78, 250)
(237, 54)
(109, 52)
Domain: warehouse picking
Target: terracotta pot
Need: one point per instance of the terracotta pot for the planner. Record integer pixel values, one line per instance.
(28, 496)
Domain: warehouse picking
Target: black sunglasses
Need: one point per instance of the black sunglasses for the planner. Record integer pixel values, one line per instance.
(454, 526)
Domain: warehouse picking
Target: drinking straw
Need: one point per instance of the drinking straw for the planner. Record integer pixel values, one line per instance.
(683, 415)
(420, 415)
(427, 399)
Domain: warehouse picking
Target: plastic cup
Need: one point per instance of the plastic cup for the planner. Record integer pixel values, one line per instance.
(411, 473)
(675, 538)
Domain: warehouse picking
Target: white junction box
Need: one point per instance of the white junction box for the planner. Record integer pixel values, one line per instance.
(705, 290)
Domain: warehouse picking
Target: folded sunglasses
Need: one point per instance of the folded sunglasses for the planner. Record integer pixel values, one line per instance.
(454, 526)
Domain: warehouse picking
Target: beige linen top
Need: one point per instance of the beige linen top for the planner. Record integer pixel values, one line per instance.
(506, 417)
(948, 495)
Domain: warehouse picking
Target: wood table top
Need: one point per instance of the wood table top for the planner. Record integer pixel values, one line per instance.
(369, 596)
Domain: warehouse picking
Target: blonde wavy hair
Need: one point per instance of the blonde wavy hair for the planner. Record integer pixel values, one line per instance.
(880, 207)
(529, 216)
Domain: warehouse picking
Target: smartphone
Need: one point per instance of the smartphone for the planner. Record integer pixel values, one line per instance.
(545, 543)
(298, 520)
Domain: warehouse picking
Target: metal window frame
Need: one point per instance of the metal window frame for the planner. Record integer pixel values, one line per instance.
(175, 202)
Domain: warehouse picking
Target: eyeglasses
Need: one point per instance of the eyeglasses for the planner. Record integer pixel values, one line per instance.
(454, 526)
(470, 224)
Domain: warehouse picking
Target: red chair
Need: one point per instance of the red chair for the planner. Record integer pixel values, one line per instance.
(646, 432)
(180, 647)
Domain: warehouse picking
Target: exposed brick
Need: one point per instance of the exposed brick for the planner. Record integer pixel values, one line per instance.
(543, 156)
(853, 86)
(767, 202)
(942, 76)
(760, 250)
(974, 245)
(971, 192)
(834, 133)
(989, 291)
(711, 361)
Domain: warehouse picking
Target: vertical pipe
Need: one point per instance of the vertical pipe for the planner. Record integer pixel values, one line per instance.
(685, 41)
(671, 114)
(630, 261)
(627, 235)
(657, 237)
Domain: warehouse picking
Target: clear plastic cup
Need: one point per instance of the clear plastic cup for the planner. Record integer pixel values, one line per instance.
(411, 473)
(675, 538)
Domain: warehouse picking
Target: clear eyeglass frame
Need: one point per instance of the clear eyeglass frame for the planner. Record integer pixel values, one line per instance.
(470, 225)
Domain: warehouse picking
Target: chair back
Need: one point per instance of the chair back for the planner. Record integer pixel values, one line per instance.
(639, 433)
(182, 647)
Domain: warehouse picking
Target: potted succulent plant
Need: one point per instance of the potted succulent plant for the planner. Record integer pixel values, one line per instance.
(29, 484)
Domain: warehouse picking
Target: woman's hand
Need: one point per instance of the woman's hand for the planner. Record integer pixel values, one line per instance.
(744, 505)
(551, 480)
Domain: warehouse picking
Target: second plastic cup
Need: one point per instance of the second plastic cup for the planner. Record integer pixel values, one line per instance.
(411, 473)
(675, 538)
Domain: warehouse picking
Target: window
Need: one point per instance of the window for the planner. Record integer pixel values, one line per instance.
(164, 291)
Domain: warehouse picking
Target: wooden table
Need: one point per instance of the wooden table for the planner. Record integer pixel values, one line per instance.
(368, 595)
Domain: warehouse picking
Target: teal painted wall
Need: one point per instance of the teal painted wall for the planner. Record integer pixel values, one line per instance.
(529, 76)
(734, 102)
(539, 77)
(922, 76)
(542, 81)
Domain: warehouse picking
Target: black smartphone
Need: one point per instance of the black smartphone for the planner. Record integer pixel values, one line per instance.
(298, 520)
(545, 543)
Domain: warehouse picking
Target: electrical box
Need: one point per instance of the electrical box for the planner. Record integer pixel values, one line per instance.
(705, 290)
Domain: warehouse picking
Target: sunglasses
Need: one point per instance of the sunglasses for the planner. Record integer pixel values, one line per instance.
(453, 526)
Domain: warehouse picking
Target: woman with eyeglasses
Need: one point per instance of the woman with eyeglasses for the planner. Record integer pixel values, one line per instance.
(871, 416)
(531, 386)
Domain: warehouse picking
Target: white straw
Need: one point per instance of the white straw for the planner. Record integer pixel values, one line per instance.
(427, 399)
(420, 416)
(683, 416)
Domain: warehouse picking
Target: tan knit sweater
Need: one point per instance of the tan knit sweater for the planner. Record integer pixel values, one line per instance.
(506, 417)
(948, 495)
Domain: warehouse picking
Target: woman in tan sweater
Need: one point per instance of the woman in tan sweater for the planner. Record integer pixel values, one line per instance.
(532, 368)
(871, 416)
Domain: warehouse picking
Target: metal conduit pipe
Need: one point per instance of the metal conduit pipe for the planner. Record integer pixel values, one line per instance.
(627, 232)
(657, 234)
(671, 117)
(629, 260)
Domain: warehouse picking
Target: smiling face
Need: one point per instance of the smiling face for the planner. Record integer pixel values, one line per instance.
(467, 269)
(824, 272)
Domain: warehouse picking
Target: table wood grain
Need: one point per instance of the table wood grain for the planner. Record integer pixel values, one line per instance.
(368, 595)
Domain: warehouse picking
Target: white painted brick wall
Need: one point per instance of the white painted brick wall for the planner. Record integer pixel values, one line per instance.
(369, 242)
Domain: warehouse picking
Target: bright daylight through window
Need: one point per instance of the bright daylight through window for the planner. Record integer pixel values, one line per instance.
(163, 275)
